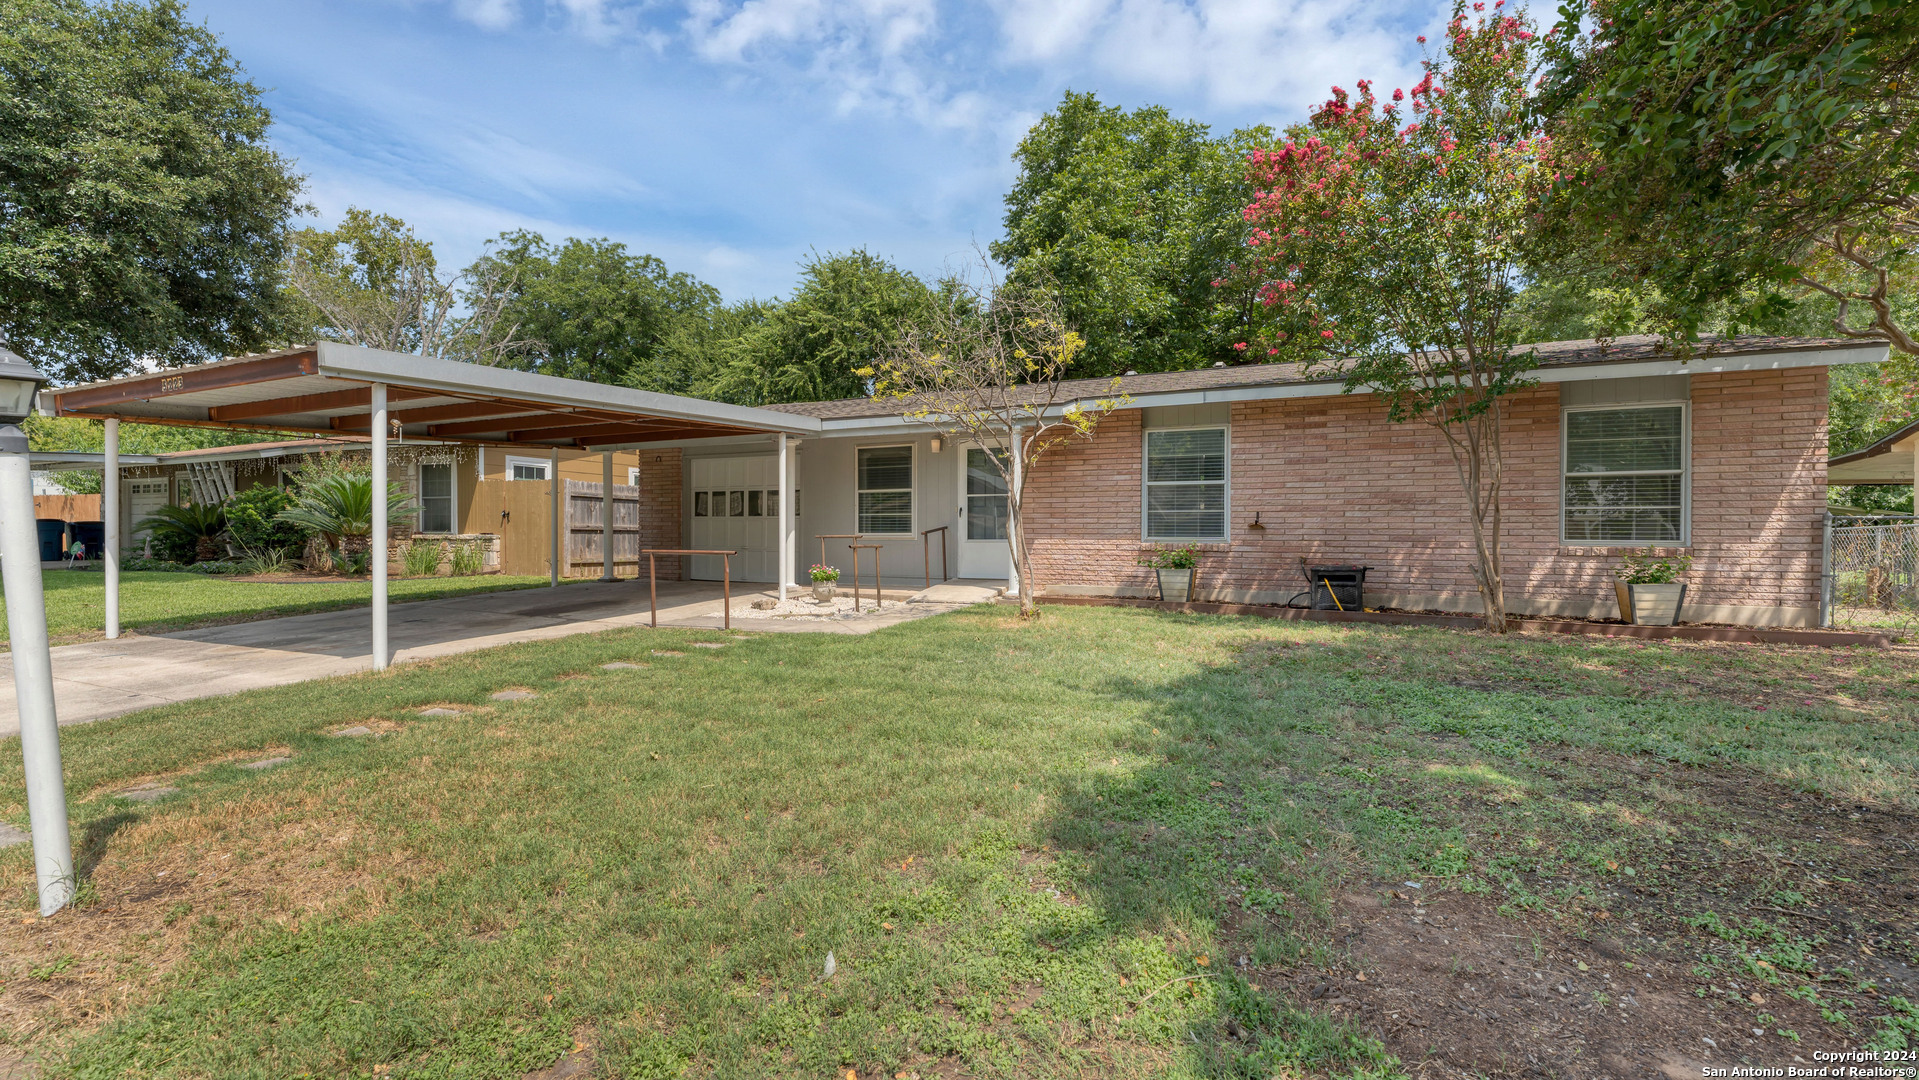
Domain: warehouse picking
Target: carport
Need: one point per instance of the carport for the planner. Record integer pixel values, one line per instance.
(330, 389)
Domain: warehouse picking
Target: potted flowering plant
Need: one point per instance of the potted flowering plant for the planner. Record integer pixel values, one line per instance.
(1174, 568)
(824, 579)
(1648, 587)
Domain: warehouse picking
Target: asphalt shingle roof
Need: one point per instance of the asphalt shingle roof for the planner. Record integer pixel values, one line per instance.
(1618, 350)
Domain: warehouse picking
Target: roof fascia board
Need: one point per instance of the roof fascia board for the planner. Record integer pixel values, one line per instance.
(82, 461)
(462, 379)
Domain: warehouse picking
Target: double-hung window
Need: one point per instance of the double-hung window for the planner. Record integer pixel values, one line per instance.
(436, 498)
(1186, 484)
(1625, 475)
(886, 490)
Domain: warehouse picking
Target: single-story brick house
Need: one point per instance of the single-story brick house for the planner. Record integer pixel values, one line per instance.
(1617, 447)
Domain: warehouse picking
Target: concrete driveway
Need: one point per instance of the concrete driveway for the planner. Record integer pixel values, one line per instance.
(99, 679)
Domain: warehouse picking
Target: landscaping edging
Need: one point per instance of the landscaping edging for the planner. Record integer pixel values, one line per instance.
(1736, 634)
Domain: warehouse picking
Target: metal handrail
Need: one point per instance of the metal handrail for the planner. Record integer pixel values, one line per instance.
(726, 580)
(879, 600)
(926, 553)
(824, 537)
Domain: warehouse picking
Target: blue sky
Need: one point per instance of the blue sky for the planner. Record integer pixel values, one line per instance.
(730, 137)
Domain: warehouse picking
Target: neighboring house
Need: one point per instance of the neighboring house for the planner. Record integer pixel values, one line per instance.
(1888, 461)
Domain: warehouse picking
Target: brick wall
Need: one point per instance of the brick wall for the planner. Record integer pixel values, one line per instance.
(660, 514)
(1334, 481)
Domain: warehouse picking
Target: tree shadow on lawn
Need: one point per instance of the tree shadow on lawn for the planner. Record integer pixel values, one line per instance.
(1313, 815)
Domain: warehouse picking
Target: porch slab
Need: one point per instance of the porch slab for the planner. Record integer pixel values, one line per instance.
(98, 679)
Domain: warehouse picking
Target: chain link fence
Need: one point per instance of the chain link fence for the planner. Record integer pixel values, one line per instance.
(1872, 573)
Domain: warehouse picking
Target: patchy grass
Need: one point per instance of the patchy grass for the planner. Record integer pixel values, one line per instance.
(1115, 842)
(150, 600)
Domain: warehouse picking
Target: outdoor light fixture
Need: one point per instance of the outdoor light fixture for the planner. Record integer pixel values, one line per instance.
(27, 626)
(936, 444)
(19, 382)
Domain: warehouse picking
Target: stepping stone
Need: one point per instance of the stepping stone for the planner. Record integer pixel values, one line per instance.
(441, 712)
(711, 644)
(667, 652)
(621, 665)
(353, 732)
(148, 794)
(265, 763)
(513, 695)
(10, 836)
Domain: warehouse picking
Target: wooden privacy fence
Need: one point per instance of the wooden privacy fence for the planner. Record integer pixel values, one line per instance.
(521, 512)
(585, 504)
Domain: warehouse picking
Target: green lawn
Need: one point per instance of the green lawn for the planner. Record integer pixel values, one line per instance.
(76, 599)
(1033, 850)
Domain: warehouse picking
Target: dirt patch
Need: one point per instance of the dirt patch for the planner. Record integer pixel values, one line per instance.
(1775, 923)
(155, 884)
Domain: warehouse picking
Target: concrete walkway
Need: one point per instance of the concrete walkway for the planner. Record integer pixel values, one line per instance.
(99, 679)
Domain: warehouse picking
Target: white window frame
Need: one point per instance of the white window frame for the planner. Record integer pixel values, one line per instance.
(1226, 519)
(1685, 472)
(419, 496)
(545, 465)
(912, 489)
(632, 476)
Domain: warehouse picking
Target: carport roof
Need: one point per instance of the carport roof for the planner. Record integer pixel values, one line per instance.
(326, 388)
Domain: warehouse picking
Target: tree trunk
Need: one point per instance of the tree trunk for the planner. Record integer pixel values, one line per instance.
(1022, 559)
(1475, 458)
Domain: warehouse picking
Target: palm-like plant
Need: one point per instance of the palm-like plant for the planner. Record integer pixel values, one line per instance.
(340, 509)
(201, 525)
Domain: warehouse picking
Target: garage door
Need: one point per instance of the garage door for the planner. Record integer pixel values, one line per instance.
(736, 506)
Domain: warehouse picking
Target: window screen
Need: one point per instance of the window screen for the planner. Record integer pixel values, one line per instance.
(886, 490)
(436, 498)
(1186, 484)
(1625, 479)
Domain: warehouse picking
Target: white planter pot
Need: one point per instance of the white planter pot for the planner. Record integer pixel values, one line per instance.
(1651, 605)
(823, 591)
(1175, 586)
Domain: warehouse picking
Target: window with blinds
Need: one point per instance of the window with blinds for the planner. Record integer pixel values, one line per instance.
(885, 490)
(1186, 484)
(436, 498)
(1625, 476)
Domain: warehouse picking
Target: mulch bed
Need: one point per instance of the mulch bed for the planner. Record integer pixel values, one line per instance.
(1682, 632)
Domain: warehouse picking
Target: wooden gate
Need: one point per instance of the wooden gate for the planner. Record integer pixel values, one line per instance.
(521, 512)
(585, 503)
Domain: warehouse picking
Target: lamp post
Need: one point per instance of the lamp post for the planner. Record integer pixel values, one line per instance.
(27, 626)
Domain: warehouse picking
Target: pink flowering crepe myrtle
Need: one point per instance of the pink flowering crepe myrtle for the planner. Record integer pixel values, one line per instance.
(1386, 240)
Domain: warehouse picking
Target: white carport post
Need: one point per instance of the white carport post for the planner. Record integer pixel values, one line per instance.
(110, 497)
(606, 517)
(553, 564)
(785, 533)
(376, 550)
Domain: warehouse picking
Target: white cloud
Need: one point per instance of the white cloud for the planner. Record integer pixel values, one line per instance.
(1233, 53)
(488, 14)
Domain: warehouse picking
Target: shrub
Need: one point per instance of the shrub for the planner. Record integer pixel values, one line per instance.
(253, 521)
(422, 558)
(469, 558)
(193, 530)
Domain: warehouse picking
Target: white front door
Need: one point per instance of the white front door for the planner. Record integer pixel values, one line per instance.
(736, 508)
(982, 526)
(144, 499)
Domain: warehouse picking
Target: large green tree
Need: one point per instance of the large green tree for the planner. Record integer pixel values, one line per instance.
(1136, 218)
(848, 308)
(142, 211)
(372, 281)
(1732, 152)
(600, 312)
